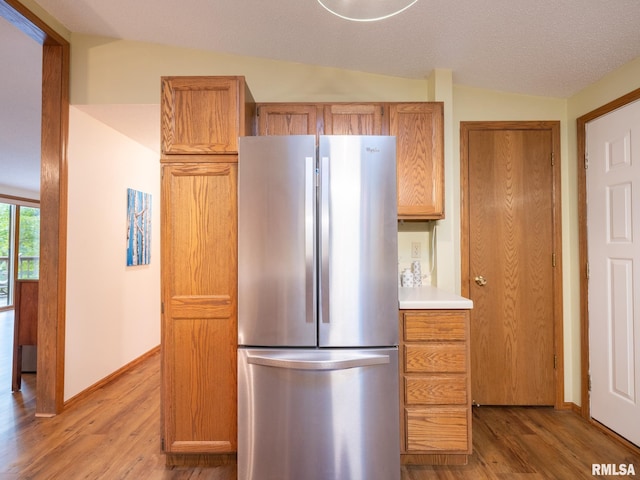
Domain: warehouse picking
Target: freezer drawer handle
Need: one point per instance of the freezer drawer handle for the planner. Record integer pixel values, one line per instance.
(363, 361)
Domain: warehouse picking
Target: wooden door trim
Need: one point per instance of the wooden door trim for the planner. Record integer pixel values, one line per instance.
(554, 127)
(53, 204)
(581, 122)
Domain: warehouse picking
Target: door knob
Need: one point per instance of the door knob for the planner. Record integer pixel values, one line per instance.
(480, 280)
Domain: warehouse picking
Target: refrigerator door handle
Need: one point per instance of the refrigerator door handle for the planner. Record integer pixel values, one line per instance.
(324, 364)
(325, 220)
(309, 238)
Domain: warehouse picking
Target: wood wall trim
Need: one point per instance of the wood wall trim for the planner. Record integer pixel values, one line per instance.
(22, 201)
(24, 19)
(86, 393)
(53, 231)
(554, 126)
(53, 205)
(582, 237)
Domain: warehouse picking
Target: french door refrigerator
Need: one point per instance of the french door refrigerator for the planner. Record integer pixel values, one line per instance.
(317, 309)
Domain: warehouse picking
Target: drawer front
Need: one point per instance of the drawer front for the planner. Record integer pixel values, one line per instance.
(436, 390)
(437, 429)
(445, 326)
(435, 358)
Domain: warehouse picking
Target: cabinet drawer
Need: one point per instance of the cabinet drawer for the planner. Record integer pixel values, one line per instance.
(429, 327)
(436, 389)
(437, 429)
(435, 358)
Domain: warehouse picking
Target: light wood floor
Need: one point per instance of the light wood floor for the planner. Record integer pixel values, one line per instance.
(115, 434)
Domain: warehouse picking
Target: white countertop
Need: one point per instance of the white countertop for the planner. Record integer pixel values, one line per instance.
(431, 298)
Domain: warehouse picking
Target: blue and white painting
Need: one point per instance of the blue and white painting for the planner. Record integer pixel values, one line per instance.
(138, 227)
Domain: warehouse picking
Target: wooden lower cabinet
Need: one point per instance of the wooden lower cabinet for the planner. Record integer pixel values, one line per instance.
(435, 399)
(199, 305)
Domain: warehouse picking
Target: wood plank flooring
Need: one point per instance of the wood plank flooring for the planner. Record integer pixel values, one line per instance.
(115, 434)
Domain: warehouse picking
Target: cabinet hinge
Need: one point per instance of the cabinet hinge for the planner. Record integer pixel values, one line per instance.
(162, 307)
(162, 444)
(586, 160)
(553, 259)
(555, 362)
(381, 110)
(589, 382)
(587, 271)
(553, 159)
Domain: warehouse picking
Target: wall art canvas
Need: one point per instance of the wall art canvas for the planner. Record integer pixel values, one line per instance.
(138, 227)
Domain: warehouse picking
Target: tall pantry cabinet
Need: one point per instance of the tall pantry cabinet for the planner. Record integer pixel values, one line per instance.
(201, 119)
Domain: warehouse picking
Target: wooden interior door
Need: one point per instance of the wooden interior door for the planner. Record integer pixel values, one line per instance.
(509, 208)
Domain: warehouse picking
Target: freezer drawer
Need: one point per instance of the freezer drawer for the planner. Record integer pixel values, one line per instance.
(318, 414)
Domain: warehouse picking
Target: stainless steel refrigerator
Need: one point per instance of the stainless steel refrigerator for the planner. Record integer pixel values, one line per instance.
(317, 309)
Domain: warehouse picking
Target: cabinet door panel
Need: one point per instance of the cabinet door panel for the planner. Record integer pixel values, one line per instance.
(353, 119)
(202, 390)
(199, 257)
(200, 115)
(287, 119)
(418, 128)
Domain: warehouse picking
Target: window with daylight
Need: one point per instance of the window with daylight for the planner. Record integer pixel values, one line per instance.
(19, 247)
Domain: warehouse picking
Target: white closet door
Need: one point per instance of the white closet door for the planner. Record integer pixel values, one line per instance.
(613, 224)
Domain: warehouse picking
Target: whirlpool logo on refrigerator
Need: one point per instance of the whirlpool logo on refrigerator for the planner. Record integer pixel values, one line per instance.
(372, 150)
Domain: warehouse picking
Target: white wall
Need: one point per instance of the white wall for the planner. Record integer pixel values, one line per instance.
(113, 311)
(110, 71)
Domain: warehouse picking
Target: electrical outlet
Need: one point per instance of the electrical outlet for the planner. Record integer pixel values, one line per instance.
(415, 249)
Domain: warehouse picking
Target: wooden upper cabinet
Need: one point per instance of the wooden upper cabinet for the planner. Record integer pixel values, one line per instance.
(419, 132)
(321, 119)
(287, 119)
(417, 126)
(353, 119)
(204, 115)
